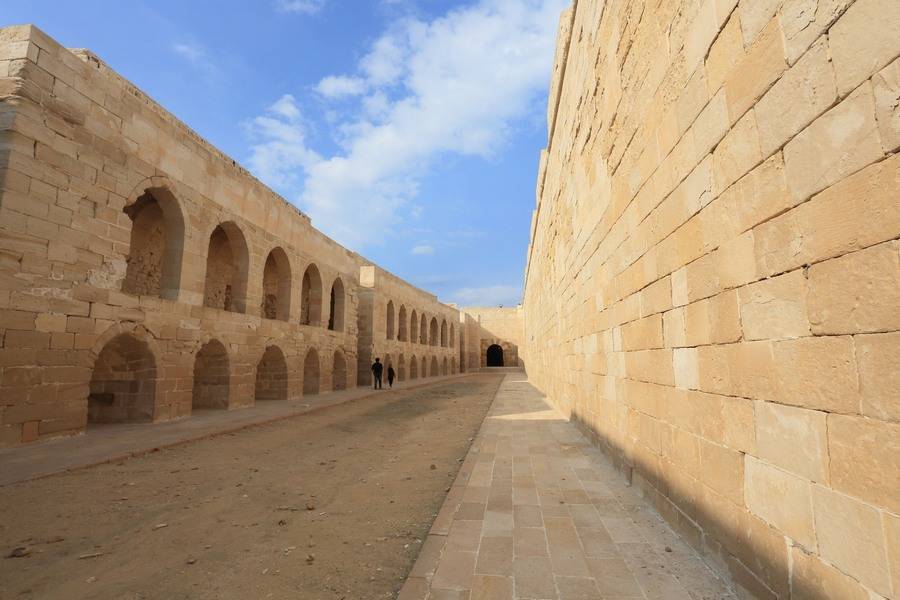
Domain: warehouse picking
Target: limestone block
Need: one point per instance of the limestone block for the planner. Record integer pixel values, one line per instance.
(654, 366)
(687, 368)
(710, 126)
(680, 287)
(724, 318)
(739, 424)
(804, 92)
(673, 328)
(858, 212)
(856, 293)
(837, 144)
(693, 99)
(781, 499)
(736, 261)
(755, 15)
(887, 105)
(878, 358)
(775, 308)
(696, 323)
(751, 370)
(812, 579)
(865, 459)
(858, 49)
(758, 69)
(793, 439)
(892, 539)
(738, 153)
(758, 196)
(725, 52)
(702, 32)
(803, 21)
(643, 334)
(722, 469)
(818, 373)
(851, 537)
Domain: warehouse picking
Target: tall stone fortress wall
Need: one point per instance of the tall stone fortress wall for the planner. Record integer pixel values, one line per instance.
(144, 274)
(713, 285)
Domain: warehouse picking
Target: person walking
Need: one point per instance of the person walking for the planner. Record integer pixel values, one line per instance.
(377, 369)
(390, 376)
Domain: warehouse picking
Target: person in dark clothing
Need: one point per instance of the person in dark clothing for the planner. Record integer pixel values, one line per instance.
(377, 369)
(390, 376)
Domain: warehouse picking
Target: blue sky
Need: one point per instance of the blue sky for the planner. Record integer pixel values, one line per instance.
(409, 130)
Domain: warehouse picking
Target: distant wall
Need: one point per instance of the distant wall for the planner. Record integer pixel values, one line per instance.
(713, 286)
(501, 326)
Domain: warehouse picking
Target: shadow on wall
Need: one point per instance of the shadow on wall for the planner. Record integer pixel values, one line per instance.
(741, 545)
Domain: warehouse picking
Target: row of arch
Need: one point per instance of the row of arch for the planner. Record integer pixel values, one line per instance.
(419, 368)
(126, 378)
(418, 330)
(155, 256)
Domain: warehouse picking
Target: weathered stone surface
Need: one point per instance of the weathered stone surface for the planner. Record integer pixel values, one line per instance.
(887, 105)
(794, 439)
(782, 499)
(837, 144)
(878, 357)
(775, 308)
(804, 92)
(851, 537)
(865, 459)
(856, 293)
(857, 48)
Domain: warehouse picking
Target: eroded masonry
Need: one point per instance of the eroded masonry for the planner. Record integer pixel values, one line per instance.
(144, 275)
(713, 288)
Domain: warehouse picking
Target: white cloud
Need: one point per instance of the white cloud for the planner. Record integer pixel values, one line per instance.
(338, 86)
(422, 250)
(305, 7)
(494, 295)
(192, 52)
(458, 84)
(281, 155)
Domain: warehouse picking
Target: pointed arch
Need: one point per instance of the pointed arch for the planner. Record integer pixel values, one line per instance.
(435, 367)
(123, 382)
(444, 333)
(212, 377)
(276, 292)
(452, 335)
(413, 368)
(423, 330)
(401, 368)
(424, 366)
(389, 322)
(336, 306)
(311, 297)
(402, 326)
(453, 366)
(414, 327)
(445, 367)
(156, 244)
(271, 375)
(494, 356)
(311, 373)
(339, 372)
(227, 263)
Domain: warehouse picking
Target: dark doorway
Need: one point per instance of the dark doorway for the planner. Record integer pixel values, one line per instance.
(494, 356)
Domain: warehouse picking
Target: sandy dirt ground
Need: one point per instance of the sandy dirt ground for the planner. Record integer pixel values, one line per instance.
(333, 504)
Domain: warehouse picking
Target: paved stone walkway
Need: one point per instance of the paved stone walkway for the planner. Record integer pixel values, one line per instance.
(538, 513)
(106, 443)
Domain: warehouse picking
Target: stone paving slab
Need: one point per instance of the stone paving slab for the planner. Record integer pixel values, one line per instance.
(107, 443)
(538, 513)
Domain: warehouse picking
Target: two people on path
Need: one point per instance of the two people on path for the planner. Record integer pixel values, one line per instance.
(378, 369)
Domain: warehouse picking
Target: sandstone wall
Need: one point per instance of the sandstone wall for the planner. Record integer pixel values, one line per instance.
(499, 326)
(143, 273)
(395, 303)
(713, 286)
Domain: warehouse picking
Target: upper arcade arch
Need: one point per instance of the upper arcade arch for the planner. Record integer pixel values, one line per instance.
(156, 245)
(227, 264)
(276, 292)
